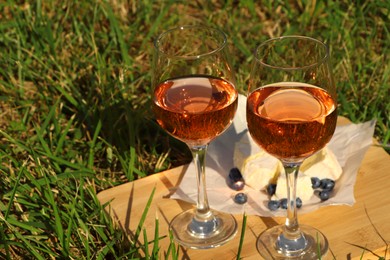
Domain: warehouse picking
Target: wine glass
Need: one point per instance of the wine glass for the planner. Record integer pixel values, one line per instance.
(195, 100)
(291, 114)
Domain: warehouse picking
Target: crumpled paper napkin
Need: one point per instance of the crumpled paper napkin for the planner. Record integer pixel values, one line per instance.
(349, 143)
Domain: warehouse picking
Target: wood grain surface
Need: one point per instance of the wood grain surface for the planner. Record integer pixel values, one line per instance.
(348, 228)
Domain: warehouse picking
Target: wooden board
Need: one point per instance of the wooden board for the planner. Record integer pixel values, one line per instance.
(345, 227)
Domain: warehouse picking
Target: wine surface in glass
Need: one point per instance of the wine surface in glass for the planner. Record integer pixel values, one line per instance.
(291, 120)
(195, 109)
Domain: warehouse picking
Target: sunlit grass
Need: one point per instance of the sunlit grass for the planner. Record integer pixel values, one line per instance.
(74, 101)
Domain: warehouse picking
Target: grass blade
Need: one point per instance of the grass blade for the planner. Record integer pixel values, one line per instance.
(146, 245)
(243, 228)
(144, 214)
(156, 247)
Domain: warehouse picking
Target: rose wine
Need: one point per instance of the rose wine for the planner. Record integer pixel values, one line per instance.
(195, 109)
(291, 120)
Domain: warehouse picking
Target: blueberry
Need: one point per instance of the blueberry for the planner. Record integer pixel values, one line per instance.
(235, 180)
(271, 189)
(324, 195)
(273, 205)
(327, 184)
(283, 203)
(235, 174)
(240, 198)
(298, 203)
(315, 182)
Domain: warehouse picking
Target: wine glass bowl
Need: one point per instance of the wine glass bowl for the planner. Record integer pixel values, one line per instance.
(195, 101)
(291, 114)
(195, 109)
(291, 121)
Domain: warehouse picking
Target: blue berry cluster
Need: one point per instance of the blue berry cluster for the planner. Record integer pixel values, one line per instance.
(282, 203)
(322, 188)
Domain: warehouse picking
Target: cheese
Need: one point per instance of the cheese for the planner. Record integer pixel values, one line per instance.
(256, 166)
(322, 165)
(259, 169)
(304, 189)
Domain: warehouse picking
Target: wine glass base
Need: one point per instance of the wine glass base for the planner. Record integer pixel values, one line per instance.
(316, 248)
(224, 230)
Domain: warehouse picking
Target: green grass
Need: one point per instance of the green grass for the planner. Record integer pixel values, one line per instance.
(74, 101)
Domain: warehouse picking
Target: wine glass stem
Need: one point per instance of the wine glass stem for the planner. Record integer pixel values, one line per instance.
(291, 230)
(203, 212)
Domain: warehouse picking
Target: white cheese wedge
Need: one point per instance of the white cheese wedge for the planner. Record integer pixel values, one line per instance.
(304, 189)
(256, 166)
(322, 165)
(259, 170)
(242, 150)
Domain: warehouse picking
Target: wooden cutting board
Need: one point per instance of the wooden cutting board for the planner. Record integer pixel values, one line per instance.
(348, 228)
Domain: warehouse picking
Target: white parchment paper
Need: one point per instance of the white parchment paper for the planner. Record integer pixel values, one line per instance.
(349, 144)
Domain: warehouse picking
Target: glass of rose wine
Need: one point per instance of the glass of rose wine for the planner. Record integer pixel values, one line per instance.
(195, 100)
(291, 114)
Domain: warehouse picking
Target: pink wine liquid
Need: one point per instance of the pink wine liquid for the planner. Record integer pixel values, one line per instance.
(195, 109)
(291, 122)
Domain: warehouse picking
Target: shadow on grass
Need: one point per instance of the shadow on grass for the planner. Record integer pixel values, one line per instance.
(142, 146)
